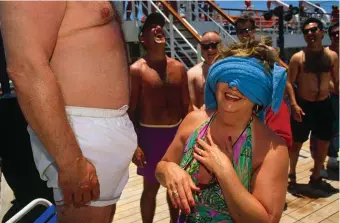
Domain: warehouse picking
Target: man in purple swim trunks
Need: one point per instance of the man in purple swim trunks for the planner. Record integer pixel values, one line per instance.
(159, 101)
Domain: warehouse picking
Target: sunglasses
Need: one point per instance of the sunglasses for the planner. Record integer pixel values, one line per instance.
(312, 30)
(244, 31)
(207, 46)
(334, 34)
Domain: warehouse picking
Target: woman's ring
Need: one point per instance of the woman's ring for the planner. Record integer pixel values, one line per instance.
(175, 194)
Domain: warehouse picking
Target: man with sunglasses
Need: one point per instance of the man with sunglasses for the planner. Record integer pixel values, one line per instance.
(245, 28)
(332, 163)
(279, 123)
(311, 70)
(159, 101)
(197, 74)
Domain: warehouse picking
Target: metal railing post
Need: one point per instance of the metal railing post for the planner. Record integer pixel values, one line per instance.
(171, 29)
(149, 8)
(133, 4)
(196, 11)
(199, 53)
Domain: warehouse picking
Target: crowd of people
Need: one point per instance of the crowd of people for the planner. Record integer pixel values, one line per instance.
(219, 137)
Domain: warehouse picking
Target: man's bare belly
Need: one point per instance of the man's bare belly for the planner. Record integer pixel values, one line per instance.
(90, 63)
(159, 113)
(309, 89)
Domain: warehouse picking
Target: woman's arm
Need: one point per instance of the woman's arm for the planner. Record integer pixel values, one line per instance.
(175, 151)
(266, 202)
(168, 172)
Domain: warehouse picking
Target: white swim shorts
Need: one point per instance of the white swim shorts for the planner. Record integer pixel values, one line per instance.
(106, 138)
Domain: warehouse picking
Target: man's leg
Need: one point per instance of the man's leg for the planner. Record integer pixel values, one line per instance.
(174, 212)
(148, 201)
(333, 163)
(87, 214)
(300, 133)
(294, 156)
(319, 157)
(312, 145)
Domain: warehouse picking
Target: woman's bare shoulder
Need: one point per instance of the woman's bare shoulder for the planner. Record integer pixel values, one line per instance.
(265, 135)
(265, 141)
(192, 121)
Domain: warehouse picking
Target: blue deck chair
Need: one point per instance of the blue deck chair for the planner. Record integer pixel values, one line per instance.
(49, 215)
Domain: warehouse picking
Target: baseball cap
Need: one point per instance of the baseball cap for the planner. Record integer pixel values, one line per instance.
(151, 19)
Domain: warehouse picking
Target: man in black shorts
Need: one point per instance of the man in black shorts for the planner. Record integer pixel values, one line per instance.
(311, 70)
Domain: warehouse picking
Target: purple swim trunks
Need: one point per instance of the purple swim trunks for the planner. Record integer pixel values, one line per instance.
(154, 141)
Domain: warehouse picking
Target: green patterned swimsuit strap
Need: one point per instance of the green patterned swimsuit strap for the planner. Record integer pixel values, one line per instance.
(199, 132)
(242, 161)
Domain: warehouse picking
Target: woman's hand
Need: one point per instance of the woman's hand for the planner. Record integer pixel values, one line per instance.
(180, 187)
(211, 156)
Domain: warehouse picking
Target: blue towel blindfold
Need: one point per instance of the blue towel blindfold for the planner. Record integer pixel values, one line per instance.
(248, 75)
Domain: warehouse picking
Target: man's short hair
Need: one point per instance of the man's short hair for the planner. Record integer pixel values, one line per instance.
(312, 20)
(331, 27)
(244, 19)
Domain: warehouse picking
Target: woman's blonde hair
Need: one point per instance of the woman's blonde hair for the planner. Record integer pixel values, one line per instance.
(267, 40)
(251, 48)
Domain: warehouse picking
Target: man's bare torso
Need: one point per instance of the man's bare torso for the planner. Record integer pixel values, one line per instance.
(89, 59)
(160, 101)
(309, 87)
(196, 78)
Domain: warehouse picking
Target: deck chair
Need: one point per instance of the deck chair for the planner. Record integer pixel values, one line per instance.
(49, 215)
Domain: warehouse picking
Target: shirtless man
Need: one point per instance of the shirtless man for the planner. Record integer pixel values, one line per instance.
(333, 150)
(159, 101)
(311, 70)
(198, 74)
(332, 163)
(69, 66)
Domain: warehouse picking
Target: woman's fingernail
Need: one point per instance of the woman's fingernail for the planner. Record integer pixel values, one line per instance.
(187, 211)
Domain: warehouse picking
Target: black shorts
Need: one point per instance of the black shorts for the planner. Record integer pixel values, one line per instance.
(318, 119)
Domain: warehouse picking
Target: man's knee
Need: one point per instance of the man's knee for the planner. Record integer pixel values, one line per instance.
(85, 214)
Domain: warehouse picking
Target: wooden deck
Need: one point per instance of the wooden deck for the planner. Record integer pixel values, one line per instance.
(301, 208)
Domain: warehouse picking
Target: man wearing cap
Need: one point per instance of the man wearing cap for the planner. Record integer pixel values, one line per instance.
(159, 101)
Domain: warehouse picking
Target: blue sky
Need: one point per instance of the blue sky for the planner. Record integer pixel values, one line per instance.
(262, 5)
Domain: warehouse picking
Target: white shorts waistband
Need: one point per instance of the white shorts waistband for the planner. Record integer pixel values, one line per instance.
(96, 112)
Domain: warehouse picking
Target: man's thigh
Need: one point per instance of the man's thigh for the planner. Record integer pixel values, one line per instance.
(87, 214)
